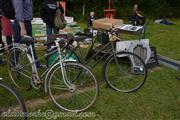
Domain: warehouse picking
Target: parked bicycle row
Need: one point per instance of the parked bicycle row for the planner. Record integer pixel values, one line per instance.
(67, 79)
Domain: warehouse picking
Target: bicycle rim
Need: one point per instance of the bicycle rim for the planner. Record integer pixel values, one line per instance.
(12, 105)
(124, 74)
(83, 89)
(19, 67)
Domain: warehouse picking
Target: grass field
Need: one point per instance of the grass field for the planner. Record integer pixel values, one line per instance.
(158, 99)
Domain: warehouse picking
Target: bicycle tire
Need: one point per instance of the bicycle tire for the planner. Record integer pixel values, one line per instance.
(18, 98)
(80, 87)
(117, 80)
(19, 68)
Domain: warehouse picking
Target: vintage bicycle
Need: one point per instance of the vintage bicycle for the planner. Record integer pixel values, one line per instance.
(122, 70)
(71, 86)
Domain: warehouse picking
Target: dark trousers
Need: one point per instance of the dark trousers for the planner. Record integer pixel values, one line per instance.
(137, 20)
(9, 41)
(17, 31)
(141, 20)
(49, 31)
(1, 42)
(17, 34)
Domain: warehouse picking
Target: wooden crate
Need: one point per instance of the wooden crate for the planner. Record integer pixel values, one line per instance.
(106, 23)
(41, 39)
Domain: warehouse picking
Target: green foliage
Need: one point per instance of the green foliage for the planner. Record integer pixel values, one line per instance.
(151, 8)
(36, 5)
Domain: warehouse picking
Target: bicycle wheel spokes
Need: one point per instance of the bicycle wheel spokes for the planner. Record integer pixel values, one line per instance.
(125, 72)
(82, 90)
(12, 105)
(19, 67)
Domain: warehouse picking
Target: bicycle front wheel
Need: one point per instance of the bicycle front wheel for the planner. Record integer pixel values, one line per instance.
(12, 105)
(19, 68)
(124, 72)
(81, 91)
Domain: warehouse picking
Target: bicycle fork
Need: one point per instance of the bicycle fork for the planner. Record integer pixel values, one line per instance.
(64, 75)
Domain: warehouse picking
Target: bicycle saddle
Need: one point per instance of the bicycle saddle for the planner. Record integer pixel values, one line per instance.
(27, 40)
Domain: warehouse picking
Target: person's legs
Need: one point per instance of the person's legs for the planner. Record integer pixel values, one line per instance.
(138, 20)
(1, 45)
(17, 38)
(9, 41)
(17, 35)
(142, 20)
(1, 36)
(1, 41)
(56, 31)
(48, 32)
(28, 26)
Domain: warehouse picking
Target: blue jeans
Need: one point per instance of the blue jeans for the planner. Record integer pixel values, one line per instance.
(49, 31)
(17, 35)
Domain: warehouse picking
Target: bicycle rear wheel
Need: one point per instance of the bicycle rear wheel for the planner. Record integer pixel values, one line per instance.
(83, 89)
(12, 105)
(124, 72)
(19, 68)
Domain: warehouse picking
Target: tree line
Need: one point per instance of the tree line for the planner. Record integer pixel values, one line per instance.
(151, 8)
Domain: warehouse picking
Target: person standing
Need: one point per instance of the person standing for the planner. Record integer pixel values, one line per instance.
(47, 12)
(22, 24)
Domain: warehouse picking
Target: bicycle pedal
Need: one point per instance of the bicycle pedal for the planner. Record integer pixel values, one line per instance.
(39, 82)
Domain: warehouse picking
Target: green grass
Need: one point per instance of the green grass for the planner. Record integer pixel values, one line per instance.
(158, 99)
(165, 38)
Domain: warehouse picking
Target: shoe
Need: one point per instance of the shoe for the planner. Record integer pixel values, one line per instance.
(41, 66)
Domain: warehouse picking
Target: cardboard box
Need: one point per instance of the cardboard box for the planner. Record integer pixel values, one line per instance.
(106, 23)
